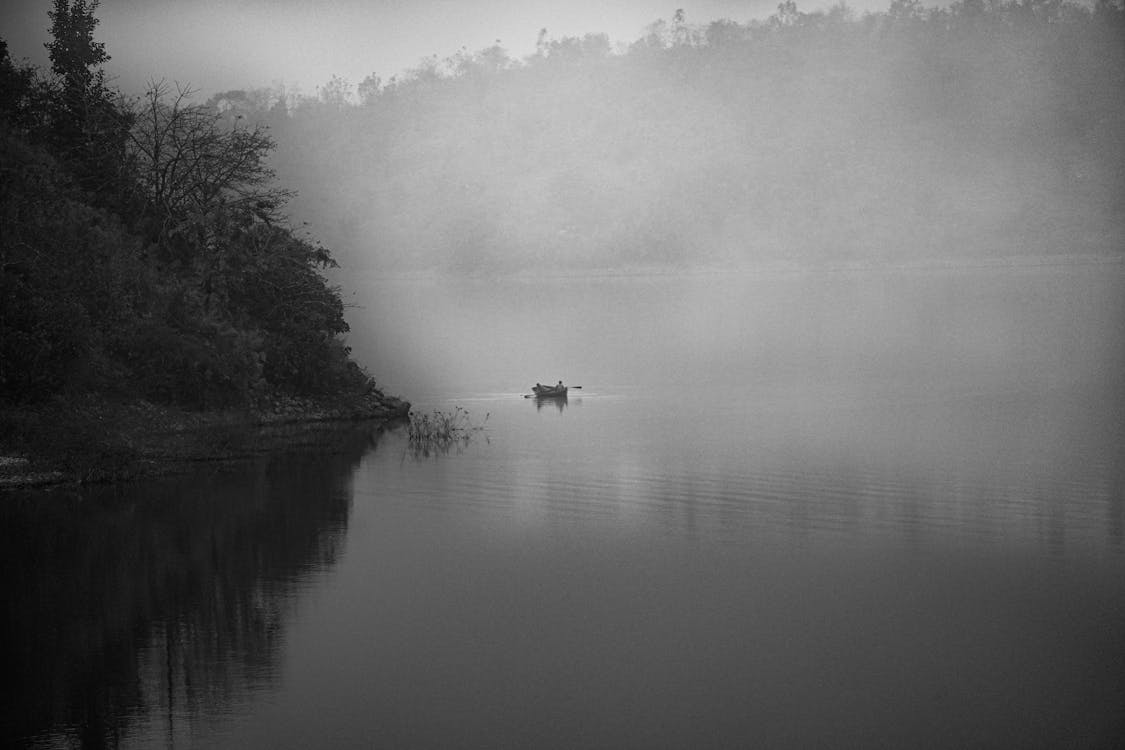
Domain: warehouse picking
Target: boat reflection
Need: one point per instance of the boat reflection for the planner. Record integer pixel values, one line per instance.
(558, 401)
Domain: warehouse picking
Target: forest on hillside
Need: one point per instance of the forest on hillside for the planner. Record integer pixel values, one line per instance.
(144, 249)
(988, 128)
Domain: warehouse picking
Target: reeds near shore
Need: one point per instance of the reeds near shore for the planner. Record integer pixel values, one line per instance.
(438, 431)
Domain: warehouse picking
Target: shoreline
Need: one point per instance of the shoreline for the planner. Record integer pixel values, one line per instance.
(765, 268)
(94, 440)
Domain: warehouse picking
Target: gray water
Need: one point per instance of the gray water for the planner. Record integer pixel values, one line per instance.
(840, 509)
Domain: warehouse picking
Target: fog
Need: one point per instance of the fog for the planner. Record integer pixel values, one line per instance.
(961, 140)
(821, 339)
(911, 136)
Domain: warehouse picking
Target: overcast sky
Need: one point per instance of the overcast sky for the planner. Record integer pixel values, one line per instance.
(217, 45)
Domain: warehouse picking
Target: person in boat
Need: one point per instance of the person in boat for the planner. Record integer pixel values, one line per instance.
(559, 387)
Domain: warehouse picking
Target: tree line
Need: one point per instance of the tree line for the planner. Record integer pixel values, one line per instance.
(145, 250)
(987, 128)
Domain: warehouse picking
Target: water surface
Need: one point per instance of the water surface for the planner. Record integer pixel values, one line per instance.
(879, 510)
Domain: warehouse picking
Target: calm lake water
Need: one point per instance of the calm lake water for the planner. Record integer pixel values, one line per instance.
(785, 510)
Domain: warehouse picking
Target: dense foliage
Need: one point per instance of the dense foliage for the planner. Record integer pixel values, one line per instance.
(143, 249)
(987, 128)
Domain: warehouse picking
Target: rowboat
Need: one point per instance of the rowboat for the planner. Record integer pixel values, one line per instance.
(550, 391)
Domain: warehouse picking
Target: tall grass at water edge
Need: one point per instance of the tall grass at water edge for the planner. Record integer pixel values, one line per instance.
(438, 431)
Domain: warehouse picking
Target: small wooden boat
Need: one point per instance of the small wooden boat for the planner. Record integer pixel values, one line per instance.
(550, 391)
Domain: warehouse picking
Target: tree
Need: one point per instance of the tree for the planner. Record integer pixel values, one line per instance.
(75, 57)
(336, 93)
(724, 33)
(67, 276)
(89, 127)
(202, 184)
(369, 89)
(188, 163)
(23, 95)
(906, 11)
(682, 34)
(787, 14)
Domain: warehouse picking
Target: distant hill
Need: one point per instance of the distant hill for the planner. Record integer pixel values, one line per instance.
(976, 130)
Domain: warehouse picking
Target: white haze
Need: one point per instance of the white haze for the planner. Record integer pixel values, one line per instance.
(840, 140)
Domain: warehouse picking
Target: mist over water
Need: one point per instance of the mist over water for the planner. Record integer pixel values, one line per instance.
(842, 304)
(847, 335)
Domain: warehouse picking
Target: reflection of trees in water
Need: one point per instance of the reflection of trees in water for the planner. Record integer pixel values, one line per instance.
(161, 599)
(1038, 470)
